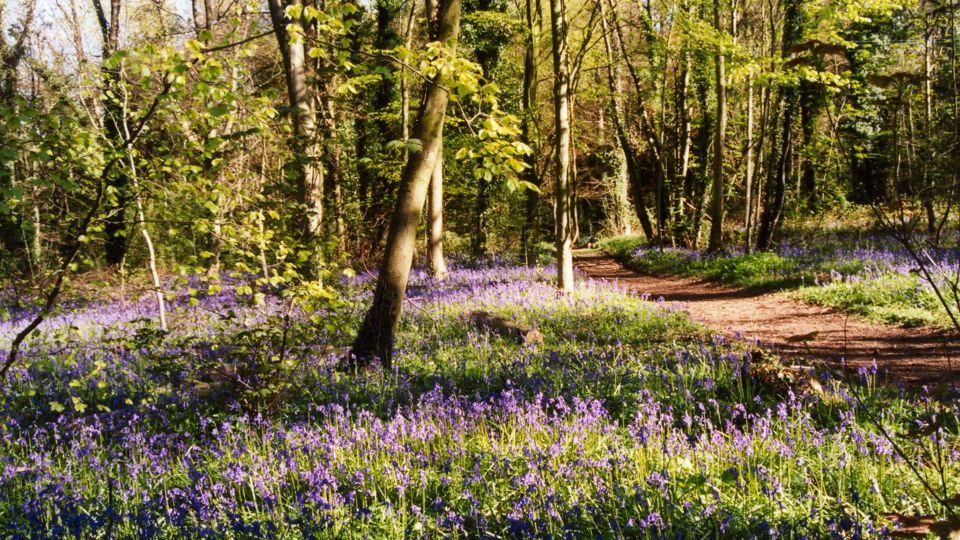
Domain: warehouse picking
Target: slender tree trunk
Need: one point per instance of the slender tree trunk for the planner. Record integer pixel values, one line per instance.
(782, 147)
(623, 139)
(719, 140)
(309, 181)
(529, 104)
(380, 182)
(118, 188)
(561, 103)
(142, 225)
(683, 134)
(438, 265)
(777, 186)
(646, 125)
(378, 329)
(208, 14)
(479, 244)
(335, 178)
(748, 175)
(36, 245)
(197, 17)
(928, 186)
(811, 101)
(700, 177)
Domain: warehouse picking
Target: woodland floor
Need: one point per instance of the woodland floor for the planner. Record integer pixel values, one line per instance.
(910, 355)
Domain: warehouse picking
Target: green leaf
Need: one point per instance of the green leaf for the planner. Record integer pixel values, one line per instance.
(294, 11)
(528, 185)
(220, 110)
(79, 405)
(56, 406)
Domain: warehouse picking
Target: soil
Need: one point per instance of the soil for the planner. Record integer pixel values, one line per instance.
(913, 356)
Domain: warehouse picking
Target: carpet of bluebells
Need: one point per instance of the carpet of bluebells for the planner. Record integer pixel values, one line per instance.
(628, 421)
(868, 274)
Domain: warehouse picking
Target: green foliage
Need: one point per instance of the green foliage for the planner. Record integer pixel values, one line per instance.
(892, 298)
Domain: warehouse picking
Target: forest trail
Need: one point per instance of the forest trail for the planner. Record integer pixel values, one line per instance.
(911, 355)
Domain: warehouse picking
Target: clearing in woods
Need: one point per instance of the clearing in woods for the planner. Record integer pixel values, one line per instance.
(910, 355)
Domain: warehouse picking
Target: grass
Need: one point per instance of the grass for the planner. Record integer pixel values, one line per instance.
(892, 298)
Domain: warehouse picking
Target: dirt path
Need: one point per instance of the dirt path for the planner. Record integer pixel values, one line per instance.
(914, 356)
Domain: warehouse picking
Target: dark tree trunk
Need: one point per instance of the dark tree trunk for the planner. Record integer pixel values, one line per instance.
(375, 187)
(529, 104)
(117, 201)
(634, 175)
(488, 56)
(11, 230)
(782, 149)
(479, 246)
(811, 103)
(719, 140)
(699, 176)
(778, 173)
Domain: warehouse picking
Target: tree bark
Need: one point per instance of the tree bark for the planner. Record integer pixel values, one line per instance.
(719, 139)
(309, 175)
(11, 229)
(782, 148)
(561, 102)
(748, 175)
(378, 329)
(529, 104)
(623, 140)
(118, 195)
(438, 264)
(646, 130)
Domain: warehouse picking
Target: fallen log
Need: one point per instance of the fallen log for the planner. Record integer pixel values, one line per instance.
(506, 328)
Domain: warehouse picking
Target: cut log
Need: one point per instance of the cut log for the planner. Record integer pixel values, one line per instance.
(504, 327)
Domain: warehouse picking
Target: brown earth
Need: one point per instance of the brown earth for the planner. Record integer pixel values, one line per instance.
(909, 355)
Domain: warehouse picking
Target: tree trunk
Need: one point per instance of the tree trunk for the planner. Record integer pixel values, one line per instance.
(748, 175)
(777, 186)
(438, 265)
(683, 135)
(561, 103)
(479, 245)
(309, 181)
(719, 139)
(11, 229)
(646, 129)
(811, 102)
(118, 185)
(378, 329)
(529, 104)
(623, 140)
(782, 148)
(379, 183)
